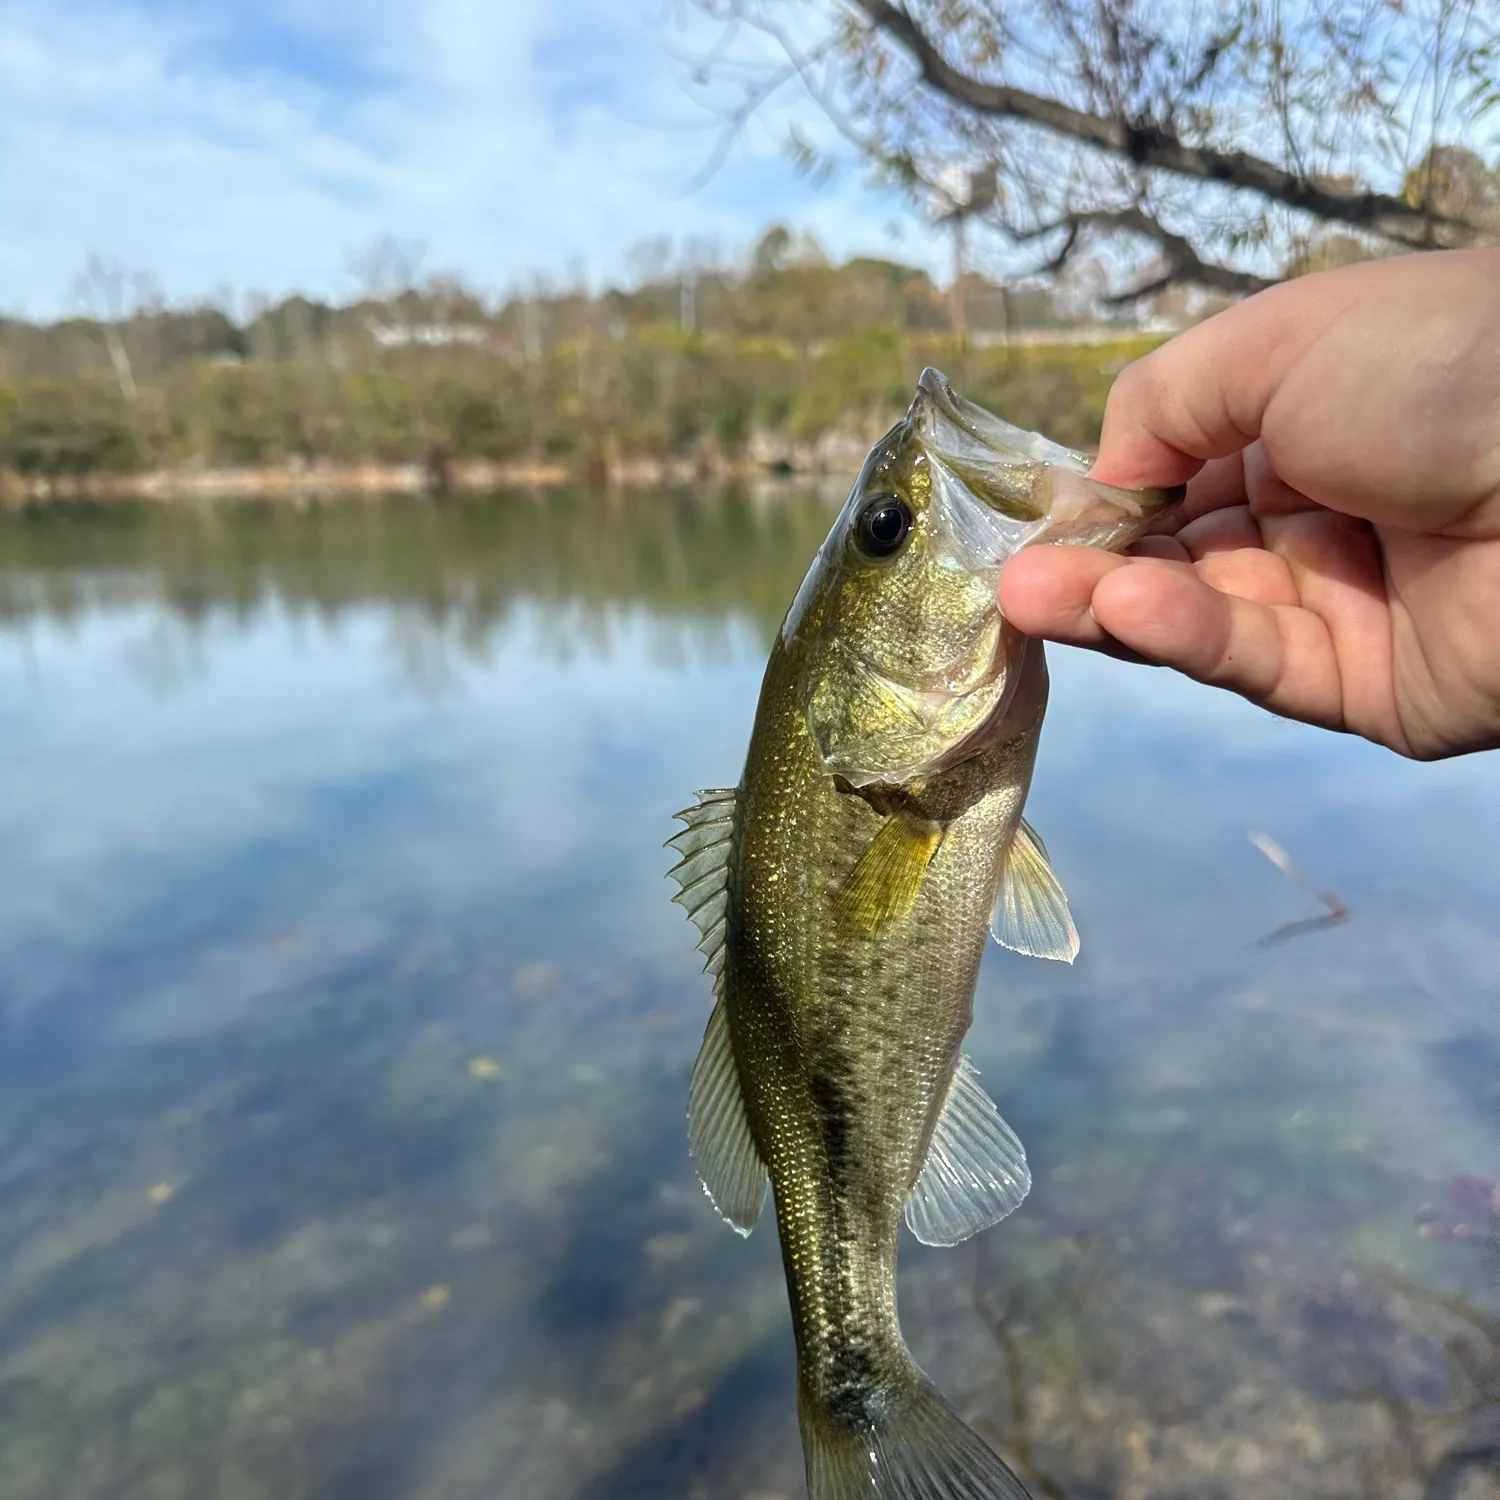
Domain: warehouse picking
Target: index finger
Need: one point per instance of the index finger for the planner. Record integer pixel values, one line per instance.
(1204, 394)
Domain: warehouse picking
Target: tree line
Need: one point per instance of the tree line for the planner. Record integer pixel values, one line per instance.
(695, 358)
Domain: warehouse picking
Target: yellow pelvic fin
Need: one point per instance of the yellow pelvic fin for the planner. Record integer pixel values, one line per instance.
(883, 886)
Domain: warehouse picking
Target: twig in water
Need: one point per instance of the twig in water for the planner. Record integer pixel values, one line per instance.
(1336, 914)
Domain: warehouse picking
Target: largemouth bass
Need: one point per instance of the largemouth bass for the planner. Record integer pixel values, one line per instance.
(844, 890)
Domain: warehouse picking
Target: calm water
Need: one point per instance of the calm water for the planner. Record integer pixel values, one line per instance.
(347, 1027)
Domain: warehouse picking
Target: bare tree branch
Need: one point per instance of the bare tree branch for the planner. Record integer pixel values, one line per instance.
(1151, 145)
(1179, 261)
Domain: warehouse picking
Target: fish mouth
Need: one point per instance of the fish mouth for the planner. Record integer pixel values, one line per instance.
(963, 430)
(998, 488)
(986, 489)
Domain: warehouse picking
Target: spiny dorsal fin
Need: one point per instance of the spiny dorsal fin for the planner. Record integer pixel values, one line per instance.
(883, 886)
(975, 1172)
(729, 1167)
(1031, 912)
(702, 872)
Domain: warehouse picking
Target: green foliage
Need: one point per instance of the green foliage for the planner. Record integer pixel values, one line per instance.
(789, 350)
(1058, 390)
(55, 427)
(654, 393)
(860, 373)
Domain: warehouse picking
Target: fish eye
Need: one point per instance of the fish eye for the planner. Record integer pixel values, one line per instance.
(883, 526)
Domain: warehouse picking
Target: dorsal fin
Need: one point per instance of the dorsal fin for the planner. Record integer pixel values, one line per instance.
(975, 1172)
(1031, 911)
(702, 872)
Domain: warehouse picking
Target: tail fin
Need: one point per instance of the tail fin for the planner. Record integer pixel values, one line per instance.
(916, 1448)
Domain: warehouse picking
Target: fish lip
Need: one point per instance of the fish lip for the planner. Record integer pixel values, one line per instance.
(1058, 490)
(984, 427)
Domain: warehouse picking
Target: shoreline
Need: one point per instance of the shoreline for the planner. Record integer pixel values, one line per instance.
(834, 454)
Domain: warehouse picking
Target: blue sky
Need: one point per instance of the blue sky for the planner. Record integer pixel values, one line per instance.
(259, 144)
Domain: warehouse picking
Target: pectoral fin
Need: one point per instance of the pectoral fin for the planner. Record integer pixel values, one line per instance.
(1031, 914)
(883, 886)
(975, 1172)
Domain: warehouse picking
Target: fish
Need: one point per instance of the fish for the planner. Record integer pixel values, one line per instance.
(844, 891)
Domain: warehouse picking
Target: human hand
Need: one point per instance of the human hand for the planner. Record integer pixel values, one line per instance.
(1337, 559)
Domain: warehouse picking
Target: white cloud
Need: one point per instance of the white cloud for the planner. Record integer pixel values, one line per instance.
(258, 146)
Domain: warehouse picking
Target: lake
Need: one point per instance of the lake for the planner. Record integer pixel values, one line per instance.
(347, 1026)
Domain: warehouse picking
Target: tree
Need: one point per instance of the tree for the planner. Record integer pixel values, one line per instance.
(1208, 143)
(110, 294)
(770, 252)
(1454, 181)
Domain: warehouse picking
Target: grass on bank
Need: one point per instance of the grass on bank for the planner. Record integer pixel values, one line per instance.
(585, 403)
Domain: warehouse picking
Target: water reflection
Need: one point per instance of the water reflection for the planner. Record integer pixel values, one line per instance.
(347, 1029)
(448, 577)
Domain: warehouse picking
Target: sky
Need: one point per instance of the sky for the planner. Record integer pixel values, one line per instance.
(260, 145)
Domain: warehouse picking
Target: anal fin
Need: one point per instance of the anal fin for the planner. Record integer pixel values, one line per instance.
(975, 1173)
(724, 1151)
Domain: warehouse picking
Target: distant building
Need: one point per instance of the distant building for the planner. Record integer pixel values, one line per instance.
(431, 335)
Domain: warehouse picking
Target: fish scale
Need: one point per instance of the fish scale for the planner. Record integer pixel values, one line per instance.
(845, 899)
